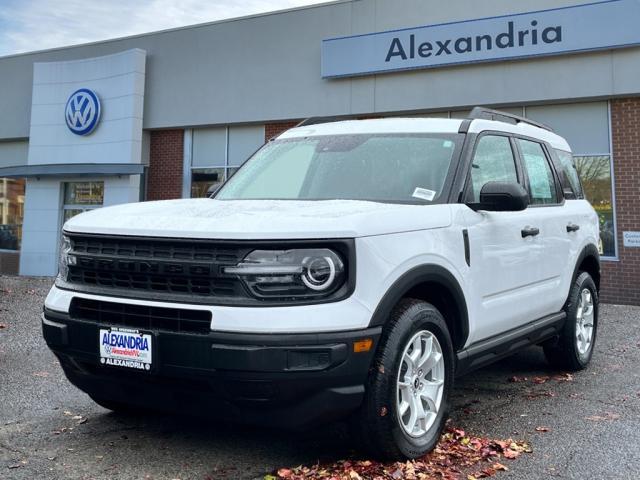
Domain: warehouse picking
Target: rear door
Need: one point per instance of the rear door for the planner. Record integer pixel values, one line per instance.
(549, 213)
(579, 216)
(505, 266)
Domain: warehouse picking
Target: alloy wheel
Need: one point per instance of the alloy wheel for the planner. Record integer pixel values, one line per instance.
(420, 383)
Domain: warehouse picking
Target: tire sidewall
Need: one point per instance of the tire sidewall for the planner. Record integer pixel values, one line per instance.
(583, 281)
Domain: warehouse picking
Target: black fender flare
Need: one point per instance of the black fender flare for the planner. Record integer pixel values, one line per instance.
(588, 251)
(418, 275)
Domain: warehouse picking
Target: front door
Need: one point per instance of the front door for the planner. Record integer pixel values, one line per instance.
(505, 253)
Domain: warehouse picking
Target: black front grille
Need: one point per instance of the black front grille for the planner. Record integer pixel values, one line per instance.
(176, 267)
(141, 316)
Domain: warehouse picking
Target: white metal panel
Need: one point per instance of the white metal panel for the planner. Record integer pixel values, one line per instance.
(118, 81)
(209, 147)
(250, 70)
(260, 219)
(243, 142)
(584, 125)
(13, 154)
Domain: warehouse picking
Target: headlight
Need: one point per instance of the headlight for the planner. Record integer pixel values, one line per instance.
(65, 258)
(297, 274)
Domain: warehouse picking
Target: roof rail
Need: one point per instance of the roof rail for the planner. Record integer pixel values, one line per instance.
(498, 116)
(316, 120)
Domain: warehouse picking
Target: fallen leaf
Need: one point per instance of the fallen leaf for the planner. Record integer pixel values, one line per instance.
(565, 377)
(456, 452)
(546, 393)
(540, 380)
(3, 325)
(510, 454)
(41, 374)
(605, 417)
(543, 429)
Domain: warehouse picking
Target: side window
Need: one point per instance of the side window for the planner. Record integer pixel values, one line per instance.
(569, 174)
(493, 161)
(542, 185)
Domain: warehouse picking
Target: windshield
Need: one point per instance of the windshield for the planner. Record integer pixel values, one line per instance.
(386, 168)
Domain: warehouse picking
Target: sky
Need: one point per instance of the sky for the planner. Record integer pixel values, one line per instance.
(28, 25)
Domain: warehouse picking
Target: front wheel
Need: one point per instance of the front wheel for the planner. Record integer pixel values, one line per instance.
(407, 398)
(574, 348)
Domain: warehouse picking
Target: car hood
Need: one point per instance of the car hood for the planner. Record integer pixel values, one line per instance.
(259, 219)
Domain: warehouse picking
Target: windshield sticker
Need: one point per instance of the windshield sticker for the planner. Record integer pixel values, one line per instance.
(424, 194)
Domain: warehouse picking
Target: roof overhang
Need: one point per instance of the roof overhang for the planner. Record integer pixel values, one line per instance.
(73, 170)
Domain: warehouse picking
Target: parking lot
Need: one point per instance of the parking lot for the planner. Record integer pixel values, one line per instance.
(581, 426)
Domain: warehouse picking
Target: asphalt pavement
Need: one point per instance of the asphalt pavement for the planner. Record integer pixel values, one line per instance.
(585, 426)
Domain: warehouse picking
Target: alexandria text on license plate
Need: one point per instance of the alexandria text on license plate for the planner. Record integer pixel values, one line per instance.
(122, 347)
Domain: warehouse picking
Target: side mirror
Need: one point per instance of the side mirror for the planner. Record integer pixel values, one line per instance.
(502, 197)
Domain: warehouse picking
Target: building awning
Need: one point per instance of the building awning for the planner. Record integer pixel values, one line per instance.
(73, 170)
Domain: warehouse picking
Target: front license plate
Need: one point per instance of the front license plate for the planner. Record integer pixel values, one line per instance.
(122, 347)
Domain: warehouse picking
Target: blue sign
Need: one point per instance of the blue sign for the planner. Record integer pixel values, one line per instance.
(82, 112)
(593, 26)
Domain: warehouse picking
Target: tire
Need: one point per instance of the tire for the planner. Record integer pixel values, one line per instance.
(379, 425)
(570, 351)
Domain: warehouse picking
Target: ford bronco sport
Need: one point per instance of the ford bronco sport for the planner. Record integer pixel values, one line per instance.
(348, 269)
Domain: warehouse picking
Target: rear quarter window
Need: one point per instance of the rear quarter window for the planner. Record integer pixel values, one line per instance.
(569, 178)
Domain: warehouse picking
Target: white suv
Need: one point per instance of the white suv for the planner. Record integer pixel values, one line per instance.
(348, 269)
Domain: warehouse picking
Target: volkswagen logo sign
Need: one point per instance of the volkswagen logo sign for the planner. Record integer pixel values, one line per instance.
(82, 112)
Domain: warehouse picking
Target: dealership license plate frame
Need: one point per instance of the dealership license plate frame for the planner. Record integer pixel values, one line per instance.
(128, 355)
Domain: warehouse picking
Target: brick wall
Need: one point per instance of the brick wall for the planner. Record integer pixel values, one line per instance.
(166, 153)
(621, 280)
(274, 129)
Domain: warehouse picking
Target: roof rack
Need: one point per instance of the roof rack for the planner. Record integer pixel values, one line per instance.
(498, 116)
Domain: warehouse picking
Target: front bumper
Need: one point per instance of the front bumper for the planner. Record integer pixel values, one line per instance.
(289, 380)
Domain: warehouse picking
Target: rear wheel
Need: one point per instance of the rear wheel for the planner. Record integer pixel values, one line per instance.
(407, 398)
(574, 349)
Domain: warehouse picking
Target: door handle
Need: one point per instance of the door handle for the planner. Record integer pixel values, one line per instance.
(530, 232)
(572, 227)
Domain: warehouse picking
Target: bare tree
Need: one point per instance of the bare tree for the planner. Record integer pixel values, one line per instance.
(592, 168)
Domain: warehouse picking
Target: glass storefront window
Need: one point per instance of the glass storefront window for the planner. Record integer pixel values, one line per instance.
(11, 212)
(595, 174)
(80, 197)
(204, 180)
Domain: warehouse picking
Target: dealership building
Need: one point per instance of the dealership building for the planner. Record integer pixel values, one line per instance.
(168, 114)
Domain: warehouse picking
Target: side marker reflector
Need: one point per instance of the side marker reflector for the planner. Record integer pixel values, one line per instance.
(362, 345)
